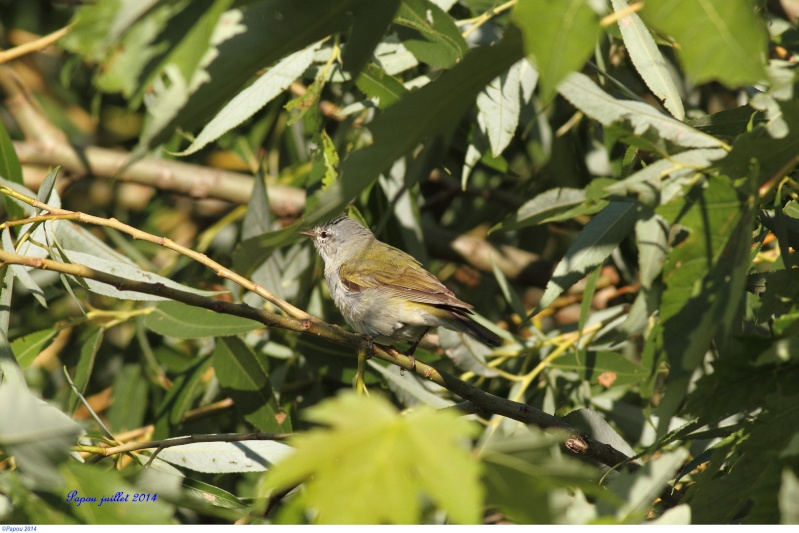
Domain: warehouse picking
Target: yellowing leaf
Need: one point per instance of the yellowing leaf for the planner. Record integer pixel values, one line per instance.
(371, 465)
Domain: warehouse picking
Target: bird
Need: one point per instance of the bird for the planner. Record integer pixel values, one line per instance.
(384, 293)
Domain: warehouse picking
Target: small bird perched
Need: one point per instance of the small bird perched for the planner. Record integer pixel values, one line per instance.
(384, 293)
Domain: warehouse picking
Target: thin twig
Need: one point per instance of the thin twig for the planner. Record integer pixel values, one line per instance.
(179, 441)
(33, 46)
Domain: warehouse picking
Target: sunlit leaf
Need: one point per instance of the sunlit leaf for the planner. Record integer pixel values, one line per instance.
(371, 453)
(175, 319)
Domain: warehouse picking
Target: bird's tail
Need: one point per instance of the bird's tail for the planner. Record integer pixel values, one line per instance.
(467, 325)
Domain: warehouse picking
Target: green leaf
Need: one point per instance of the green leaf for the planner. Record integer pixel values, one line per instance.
(369, 23)
(591, 365)
(129, 407)
(180, 398)
(542, 207)
(377, 83)
(252, 99)
(384, 461)
(213, 495)
(704, 277)
(275, 28)
(788, 496)
(528, 467)
(768, 445)
(11, 170)
(227, 457)
(729, 122)
(37, 434)
(175, 319)
(123, 270)
(731, 46)
(21, 272)
(27, 348)
(648, 60)
(758, 153)
(184, 71)
(640, 118)
(244, 377)
(662, 180)
(595, 425)
(594, 244)
(559, 36)
(90, 343)
(431, 33)
(432, 110)
(639, 490)
(407, 388)
(651, 235)
(499, 106)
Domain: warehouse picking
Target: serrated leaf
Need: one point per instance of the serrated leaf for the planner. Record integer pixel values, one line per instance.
(498, 108)
(227, 457)
(648, 60)
(731, 48)
(252, 99)
(594, 244)
(175, 319)
(243, 375)
(559, 36)
(432, 35)
(27, 348)
(589, 98)
(383, 460)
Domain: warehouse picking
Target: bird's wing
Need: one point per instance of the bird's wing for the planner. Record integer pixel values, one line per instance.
(410, 281)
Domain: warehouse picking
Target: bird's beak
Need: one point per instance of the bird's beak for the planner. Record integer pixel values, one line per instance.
(308, 233)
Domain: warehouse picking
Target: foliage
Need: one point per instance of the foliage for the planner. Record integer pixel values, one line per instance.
(614, 191)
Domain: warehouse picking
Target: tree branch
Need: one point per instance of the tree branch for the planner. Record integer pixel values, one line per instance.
(484, 402)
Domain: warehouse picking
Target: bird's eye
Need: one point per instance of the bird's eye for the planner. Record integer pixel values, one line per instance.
(323, 234)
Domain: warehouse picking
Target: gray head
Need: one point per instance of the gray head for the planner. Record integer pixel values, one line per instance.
(329, 239)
